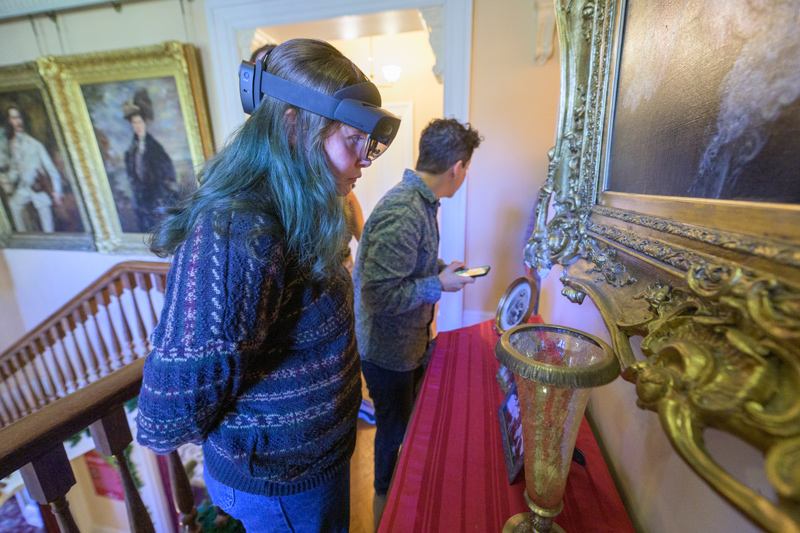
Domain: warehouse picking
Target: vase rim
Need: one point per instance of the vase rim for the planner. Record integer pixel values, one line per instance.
(600, 373)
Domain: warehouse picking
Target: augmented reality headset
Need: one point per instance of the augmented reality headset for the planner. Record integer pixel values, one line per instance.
(357, 105)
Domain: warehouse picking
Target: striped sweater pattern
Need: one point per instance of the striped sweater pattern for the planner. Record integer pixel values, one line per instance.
(254, 360)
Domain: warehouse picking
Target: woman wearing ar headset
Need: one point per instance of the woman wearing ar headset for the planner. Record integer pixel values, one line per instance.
(255, 354)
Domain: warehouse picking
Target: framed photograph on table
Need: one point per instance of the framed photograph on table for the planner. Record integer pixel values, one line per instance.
(136, 126)
(515, 307)
(505, 378)
(511, 433)
(40, 201)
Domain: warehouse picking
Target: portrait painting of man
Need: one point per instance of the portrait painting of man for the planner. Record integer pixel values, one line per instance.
(36, 187)
(139, 128)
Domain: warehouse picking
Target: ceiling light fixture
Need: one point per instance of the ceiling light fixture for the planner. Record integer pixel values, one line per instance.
(390, 72)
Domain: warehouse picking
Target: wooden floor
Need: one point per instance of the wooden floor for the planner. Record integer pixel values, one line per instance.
(362, 474)
(361, 477)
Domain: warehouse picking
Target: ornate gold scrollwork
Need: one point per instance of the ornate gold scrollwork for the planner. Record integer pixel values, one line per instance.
(712, 362)
(718, 310)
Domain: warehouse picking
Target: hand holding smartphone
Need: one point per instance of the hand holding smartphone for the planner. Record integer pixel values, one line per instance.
(476, 272)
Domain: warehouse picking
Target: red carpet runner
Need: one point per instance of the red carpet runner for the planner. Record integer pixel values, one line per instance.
(451, 475)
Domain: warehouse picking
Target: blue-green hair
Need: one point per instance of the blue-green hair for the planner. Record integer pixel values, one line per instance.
(275, 165)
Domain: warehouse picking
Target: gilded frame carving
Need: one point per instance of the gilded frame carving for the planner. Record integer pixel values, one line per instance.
(712, 286)
(21, 86)
(69, 78)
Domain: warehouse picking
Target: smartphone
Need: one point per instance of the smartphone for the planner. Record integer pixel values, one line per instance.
(474, 272)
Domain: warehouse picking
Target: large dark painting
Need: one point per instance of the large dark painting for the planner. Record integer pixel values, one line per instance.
(707, 103)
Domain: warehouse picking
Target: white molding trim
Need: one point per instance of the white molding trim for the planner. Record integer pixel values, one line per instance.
(432, 18)
(21, 8)
(457, 76)
(545, 16)
(226, 17)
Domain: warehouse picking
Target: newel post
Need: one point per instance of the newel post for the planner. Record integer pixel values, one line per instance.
(48, 479)
(111, 436)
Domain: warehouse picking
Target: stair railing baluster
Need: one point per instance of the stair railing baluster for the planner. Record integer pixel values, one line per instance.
(81, 321)
(29, 387)
(49, 360)
(55, 339)
(18, 406)
(37, 364)
(116, 361)
(142, 344)
(182, 492)
(128, 354)
(112, 436)
(74, 352)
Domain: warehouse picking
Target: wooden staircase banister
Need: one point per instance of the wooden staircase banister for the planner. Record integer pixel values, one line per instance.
(75, 370)
(25, 439)
(76, 303)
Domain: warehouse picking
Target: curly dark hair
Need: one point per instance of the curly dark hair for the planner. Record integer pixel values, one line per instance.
(445, 141)
(9, 131)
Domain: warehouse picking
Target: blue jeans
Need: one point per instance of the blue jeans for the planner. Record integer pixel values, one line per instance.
(323, 509)
(393, 394)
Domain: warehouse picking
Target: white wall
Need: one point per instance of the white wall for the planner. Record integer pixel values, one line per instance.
(513, 104)
(11, 322)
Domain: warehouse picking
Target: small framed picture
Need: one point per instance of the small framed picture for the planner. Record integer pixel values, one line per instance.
(505, 378)
(511, 433)
(516, 305)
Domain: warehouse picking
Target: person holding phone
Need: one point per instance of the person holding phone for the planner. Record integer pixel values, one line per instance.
(398, 278)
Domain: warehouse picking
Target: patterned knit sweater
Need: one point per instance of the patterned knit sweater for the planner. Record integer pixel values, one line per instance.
(255, 360)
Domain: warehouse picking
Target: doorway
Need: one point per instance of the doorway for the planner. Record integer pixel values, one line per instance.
(451, 31)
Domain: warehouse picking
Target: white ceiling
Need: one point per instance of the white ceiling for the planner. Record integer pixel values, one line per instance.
(345, 28)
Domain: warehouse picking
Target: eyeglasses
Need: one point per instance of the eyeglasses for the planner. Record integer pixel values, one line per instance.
(377, 142)
(371, 149)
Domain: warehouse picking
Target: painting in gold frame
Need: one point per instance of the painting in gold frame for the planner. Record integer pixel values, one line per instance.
(136, 126)
(40, 201)
(709, 282)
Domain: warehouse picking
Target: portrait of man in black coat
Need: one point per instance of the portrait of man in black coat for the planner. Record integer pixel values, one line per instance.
(150, 169)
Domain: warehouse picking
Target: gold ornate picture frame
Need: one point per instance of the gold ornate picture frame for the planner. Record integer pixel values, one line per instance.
(708, 272)
(136, 127)
(40, 201)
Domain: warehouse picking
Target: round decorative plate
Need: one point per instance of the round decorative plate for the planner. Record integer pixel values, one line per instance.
(516, 305)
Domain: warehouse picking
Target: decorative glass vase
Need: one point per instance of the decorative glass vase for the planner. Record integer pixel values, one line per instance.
(555, 369)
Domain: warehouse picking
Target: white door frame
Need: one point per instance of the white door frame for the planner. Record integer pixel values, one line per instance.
(225, 17)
